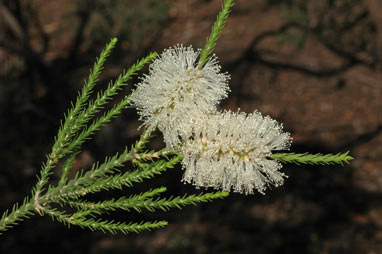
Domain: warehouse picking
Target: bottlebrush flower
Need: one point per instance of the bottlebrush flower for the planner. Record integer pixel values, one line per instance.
(177, 91)
(231, 151)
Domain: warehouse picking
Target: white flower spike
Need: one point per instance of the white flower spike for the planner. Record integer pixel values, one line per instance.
(177, 91)
(230, 151)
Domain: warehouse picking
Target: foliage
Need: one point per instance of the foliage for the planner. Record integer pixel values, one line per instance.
(313, 159)
(215, 32)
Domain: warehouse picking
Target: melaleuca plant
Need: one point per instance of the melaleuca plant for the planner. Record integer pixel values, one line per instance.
(228, 151)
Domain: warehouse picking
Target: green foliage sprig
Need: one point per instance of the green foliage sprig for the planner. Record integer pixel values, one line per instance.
(54, 201)
(313, 159)
(215, 32)
(17, 214)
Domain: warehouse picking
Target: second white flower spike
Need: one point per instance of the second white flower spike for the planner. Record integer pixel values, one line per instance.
(231, 151)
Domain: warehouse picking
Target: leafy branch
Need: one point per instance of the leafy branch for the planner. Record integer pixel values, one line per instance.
(313, 159)
(54, 201)
(215, 32)
(65, 200)
(17, 214)
(145, 200)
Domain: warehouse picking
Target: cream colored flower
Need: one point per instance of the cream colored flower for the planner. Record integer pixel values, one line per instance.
(231, 151)
(176, 92)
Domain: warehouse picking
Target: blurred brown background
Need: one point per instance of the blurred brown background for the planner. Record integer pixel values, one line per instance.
(316, 66)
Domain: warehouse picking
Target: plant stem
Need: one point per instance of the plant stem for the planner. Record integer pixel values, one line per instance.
(18, 213)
